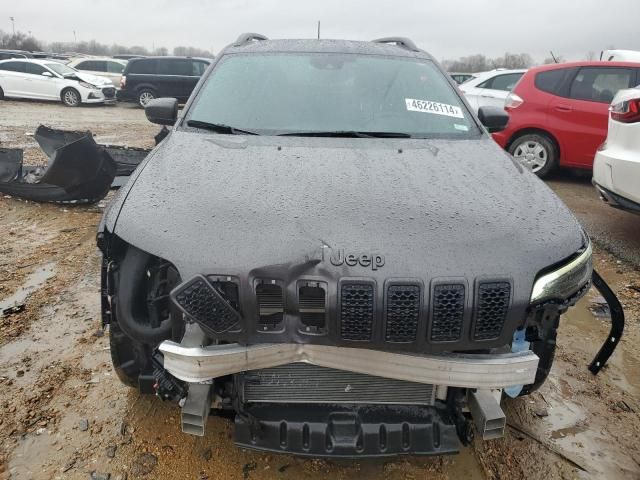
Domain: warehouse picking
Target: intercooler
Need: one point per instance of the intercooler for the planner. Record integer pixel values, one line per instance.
(305, 383)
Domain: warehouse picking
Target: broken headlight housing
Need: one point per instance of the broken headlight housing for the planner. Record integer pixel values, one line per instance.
(565, 280)
(89, 85)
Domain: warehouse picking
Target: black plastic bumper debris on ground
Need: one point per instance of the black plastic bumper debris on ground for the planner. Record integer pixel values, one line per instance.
(125, 158)
(78, 172)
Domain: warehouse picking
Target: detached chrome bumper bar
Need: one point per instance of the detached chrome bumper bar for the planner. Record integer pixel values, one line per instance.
(199, 364)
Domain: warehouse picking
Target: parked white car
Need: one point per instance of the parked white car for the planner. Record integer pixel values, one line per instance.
(50, 80)
(109, 68)
(616, 169)
(490, 89)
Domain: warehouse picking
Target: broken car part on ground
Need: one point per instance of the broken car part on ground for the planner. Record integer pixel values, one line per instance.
(329, 283)
(79, 170)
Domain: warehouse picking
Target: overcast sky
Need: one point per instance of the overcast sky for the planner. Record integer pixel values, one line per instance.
(445, 28)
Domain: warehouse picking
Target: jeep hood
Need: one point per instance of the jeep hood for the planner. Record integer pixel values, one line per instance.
(221, 204)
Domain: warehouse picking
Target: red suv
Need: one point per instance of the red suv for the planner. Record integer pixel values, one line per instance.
(559, 113)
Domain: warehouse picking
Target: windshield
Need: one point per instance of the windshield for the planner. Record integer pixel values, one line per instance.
(61, 69)
(306, 93)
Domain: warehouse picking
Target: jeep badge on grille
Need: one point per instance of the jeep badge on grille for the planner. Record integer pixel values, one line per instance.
(375, 261)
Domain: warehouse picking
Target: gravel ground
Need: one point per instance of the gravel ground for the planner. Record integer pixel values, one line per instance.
(63, 413)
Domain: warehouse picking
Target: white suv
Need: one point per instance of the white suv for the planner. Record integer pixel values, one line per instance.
(616, 169)
(50, 80)
(490, 89)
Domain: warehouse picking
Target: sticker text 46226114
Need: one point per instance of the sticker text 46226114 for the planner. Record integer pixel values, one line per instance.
(426, 106)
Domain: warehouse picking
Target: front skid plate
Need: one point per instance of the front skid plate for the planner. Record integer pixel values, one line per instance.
(346, 431)
(198, 364)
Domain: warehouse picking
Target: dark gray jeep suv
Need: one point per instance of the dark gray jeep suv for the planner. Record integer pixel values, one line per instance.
(330, 246)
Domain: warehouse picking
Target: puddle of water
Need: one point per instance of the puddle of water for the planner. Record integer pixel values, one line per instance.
(567, 432)
(623, 368)
(54, 335)
(31, 284)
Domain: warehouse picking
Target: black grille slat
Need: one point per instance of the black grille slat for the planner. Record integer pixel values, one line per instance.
(403, 313)
(492, 305)
(447, 312)
(356, 311)
(312, 305)
(206, 305)
(270, 303)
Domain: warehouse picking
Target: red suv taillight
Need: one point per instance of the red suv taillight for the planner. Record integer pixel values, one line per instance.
(512, 101)
(627, 111)
(123, 81)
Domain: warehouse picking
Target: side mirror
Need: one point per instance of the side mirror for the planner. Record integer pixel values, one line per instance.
(493, 118)
(163, 111)
(47, 74)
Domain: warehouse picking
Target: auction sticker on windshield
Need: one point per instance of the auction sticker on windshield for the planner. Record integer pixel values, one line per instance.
(426, 106)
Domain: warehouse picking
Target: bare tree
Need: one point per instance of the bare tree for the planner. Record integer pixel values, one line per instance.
(480, 63)
(191, 52)
(591, 56)
(19, 41)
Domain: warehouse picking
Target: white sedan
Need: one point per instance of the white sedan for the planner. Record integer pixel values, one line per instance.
(616, 169)
(50, 80)
(490, 89)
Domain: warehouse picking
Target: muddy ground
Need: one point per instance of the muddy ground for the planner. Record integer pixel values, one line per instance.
(64, 414)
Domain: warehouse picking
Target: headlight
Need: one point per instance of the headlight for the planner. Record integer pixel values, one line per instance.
(566, 280)
(88, 85)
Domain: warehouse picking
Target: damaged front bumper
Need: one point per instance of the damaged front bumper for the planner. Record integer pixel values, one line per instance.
(200, 364)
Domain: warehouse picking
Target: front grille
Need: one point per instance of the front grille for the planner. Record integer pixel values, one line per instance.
(305, 383)
(109, 92)
(206, 304)
(447, 312)
(403, 313)
(311, 303)
(270, 304)
(492, 305)
(356, 311)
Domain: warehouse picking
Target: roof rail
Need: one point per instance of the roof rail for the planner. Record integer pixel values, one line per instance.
(245, 38)
(399, 41)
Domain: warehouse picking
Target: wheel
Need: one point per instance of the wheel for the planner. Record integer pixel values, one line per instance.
(71, 97)
(131, 360)
(1, 94)
(536, 152)
(145, 96)
(140, 314)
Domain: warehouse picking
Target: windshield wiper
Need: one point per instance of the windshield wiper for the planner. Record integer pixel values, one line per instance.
(347, 134)
(219, 128)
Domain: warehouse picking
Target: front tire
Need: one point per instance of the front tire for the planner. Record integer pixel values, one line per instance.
(131, 360)
(145, 96)
(537, 152)
(137, 307)
(71, 97)
(1, 94)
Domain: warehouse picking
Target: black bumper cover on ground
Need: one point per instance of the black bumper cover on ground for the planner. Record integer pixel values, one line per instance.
(78, 172)
(347, 431)
(125, 158)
